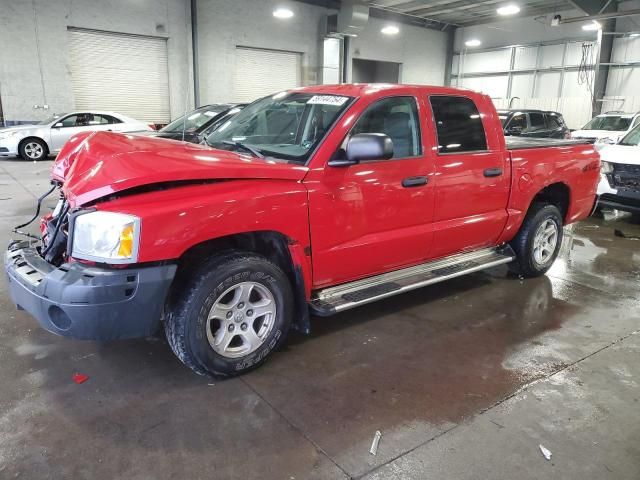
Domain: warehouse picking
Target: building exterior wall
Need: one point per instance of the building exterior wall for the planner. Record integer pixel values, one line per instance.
(422, 52)
(25, 81)
(224, 25)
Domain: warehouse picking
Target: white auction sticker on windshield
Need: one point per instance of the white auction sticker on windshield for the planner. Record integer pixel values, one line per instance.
(327, 100)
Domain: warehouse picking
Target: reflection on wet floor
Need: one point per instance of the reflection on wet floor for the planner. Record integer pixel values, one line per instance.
(418, 363)
(593, 255)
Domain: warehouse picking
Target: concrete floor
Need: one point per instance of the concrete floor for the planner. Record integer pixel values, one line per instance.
(464, 380)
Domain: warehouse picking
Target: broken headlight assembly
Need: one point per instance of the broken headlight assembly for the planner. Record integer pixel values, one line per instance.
(606, 167)
(105, 237)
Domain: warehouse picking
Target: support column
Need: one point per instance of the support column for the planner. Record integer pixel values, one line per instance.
(605, 49)
(448, 62)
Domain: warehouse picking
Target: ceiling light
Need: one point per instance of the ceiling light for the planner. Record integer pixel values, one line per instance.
(390, 30)
(592, 26)
(473, 43)
(508, 10)
(282, 13)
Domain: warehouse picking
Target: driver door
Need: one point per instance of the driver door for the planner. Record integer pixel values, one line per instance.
(374, 216)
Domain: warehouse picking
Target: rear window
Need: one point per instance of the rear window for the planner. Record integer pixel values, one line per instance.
(458, 124)
(537, 121)
(555, 121)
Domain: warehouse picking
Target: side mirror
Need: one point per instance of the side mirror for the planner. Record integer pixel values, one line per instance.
(365, 146)
(58, 125)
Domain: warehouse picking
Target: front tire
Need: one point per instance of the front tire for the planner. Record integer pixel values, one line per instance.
(232, 313)
(538, 242)
(33, 149)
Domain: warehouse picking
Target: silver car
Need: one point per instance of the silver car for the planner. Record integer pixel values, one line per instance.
(35, 142)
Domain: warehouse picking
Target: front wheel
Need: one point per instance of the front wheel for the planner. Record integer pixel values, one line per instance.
(538, 242)
(234, 311)
(33, 149)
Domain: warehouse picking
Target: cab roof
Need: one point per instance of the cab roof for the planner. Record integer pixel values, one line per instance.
(366, 89)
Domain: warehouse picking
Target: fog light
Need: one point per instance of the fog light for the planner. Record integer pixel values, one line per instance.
(60, 319)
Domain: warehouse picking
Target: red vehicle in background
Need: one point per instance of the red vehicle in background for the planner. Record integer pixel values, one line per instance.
(317, 199)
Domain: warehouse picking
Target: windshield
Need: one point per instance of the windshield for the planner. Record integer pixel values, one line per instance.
(633, 138)
(287, 125)
(51, 119)
(192, 121)
(611, 123)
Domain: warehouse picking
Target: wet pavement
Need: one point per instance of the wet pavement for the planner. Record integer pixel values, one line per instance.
(463, 379)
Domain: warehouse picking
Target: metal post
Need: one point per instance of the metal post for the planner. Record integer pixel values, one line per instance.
(448, 66)
(346, 59)
(512, 66)
(2, 124)
(194, 50)
(603, 58)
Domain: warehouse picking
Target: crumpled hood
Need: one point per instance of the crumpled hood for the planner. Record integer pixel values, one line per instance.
(597, 134)
(621, 154)
(102, 163)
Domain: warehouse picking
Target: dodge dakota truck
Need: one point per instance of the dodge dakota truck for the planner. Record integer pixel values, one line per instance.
(311, 201)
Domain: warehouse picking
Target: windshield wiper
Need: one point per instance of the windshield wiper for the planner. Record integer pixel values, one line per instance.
(244, 146)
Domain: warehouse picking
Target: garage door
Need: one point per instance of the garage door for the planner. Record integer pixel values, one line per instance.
(122, 73)
(262, 72)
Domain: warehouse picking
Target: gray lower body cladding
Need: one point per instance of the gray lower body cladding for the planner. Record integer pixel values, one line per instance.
(84, 302)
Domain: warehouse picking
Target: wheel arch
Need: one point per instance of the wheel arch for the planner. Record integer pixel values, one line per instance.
(558, 194)
(34, 137)
(285, 252)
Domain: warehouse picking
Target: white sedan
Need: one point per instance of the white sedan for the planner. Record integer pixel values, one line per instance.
(35, 142)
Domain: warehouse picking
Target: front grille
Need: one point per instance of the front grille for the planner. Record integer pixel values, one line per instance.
(625, 176)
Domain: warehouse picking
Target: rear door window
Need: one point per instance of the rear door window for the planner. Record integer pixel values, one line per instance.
(553, 122)
(537, 121)
(458, 124)
(518, 123)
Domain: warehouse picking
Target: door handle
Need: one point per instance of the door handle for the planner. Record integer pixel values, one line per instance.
(414, 181)
(493, 172)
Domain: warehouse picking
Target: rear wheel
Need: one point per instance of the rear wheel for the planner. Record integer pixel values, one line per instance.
(33, 149)
(538, 242)
(234, 311)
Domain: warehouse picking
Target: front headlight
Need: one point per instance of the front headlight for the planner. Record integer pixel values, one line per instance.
(606, 167)
(106, 237)
(7, 135)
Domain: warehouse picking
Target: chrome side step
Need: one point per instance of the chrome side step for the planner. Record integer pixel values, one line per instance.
(349, 295)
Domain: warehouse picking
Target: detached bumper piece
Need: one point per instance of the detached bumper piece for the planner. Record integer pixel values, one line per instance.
(85, 302)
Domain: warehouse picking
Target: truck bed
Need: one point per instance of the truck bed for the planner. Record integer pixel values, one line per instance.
(520, 143)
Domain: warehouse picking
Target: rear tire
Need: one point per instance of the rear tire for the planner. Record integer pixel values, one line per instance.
(231, 314)
(538, 242)
(33, 149)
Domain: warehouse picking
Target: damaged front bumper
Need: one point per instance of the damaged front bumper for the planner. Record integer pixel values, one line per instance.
(86, 302)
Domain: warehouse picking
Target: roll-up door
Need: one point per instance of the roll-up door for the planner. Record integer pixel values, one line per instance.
(122, 73)
(261, 72)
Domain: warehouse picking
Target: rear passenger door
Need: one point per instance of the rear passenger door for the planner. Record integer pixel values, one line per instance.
(471, 178)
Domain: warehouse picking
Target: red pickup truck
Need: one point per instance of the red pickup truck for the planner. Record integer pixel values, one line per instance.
(313, 200)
